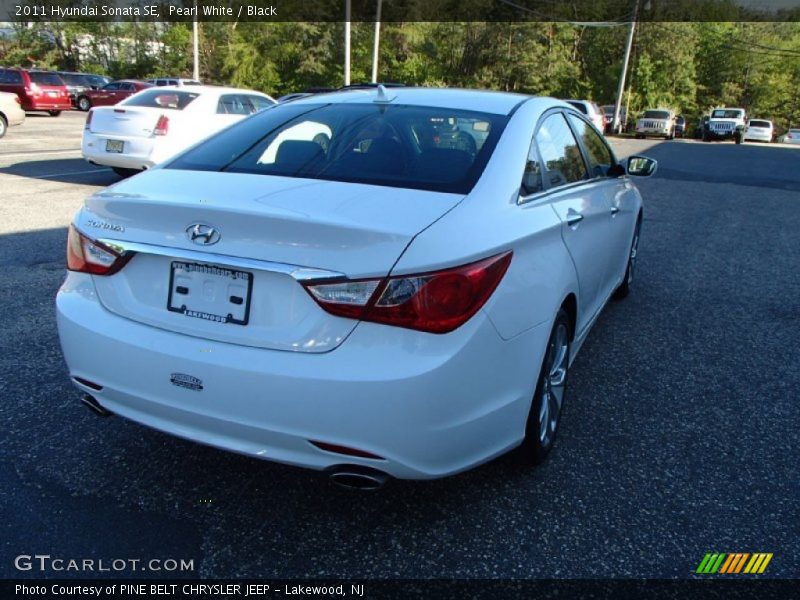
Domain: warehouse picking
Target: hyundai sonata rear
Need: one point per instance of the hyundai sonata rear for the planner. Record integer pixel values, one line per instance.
(334, 285)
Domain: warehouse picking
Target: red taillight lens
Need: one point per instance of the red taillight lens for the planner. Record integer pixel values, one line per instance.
(436, 302)
(89, 116)
(17, 100)
(89, 256)
(162, 126)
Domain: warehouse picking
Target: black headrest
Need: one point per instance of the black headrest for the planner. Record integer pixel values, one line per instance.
(298, 153)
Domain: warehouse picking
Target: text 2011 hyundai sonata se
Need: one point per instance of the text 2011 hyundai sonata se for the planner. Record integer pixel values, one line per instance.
(375, 283)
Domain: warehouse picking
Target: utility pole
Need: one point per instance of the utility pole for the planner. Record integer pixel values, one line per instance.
(347, 42)
(615, 125)
(195, 46)
(377, 43)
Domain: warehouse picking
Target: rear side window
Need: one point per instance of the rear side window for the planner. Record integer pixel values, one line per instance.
(260, 102)
(563, 162)
(45, 78)
(600, 156)
(235, 104)
(11, 77)
(414, 147)
(155, 98)
(532, 177)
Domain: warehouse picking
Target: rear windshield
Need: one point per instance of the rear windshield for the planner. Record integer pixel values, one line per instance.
(97, 80)
(414, 147)
(45, 78)
(766, 124)
(726, 114)
(156, 98)
(656, 114)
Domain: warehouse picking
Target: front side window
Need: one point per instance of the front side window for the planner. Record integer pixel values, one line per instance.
(599, 154)
(418, 147)
(13, 77)
(111, 87)
(563, 162)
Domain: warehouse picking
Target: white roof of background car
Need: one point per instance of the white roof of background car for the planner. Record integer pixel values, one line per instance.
(500, 103)
(206, 89)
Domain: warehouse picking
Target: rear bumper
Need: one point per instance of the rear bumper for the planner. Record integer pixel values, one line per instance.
(14, 116)
(37, 105)
(758, 137)
(138, 153)
(430, 405)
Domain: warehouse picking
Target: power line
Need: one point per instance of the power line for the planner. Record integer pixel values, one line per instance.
(618, 22)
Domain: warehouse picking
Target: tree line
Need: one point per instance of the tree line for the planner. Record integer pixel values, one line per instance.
(690, 67)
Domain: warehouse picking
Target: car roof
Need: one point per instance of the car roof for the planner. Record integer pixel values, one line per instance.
(218, 89)
(501, 103)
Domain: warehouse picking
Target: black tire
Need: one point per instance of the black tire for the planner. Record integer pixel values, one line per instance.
(125, 172)
(537, 443)
(625, 287)
(83, 103)
(53, 113)
(3, 126)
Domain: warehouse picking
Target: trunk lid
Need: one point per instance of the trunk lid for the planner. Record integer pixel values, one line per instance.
(294, 224)
(135, 122)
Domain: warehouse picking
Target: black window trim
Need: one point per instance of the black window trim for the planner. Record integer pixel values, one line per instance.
(585, 152)
(548, 190)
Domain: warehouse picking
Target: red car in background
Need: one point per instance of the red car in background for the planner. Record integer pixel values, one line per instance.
(37, 90)
(110, 93)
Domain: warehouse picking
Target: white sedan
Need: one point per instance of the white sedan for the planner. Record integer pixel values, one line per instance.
(158, 123)
(381, 302)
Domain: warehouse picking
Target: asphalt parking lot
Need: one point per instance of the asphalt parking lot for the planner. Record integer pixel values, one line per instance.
(679, 436)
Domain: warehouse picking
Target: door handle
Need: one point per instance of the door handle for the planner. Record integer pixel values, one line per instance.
(614, 210)
(573, 218)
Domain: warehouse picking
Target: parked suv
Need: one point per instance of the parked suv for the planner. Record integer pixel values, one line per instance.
(656, 122)
(725, 124)
(37, 90)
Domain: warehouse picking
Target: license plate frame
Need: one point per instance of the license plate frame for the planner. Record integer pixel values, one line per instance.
(200, 275)
(115, 146)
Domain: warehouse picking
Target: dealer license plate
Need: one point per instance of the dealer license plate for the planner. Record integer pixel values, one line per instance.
(208, 292)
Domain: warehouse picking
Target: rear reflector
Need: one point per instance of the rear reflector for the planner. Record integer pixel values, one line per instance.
(86, 255)
(436, 302)
(345, 450)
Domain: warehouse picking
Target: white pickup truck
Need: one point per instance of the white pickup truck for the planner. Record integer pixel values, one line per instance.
(725, 124)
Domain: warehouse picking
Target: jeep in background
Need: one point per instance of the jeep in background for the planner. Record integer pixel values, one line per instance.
(725, 124)
(656, 122)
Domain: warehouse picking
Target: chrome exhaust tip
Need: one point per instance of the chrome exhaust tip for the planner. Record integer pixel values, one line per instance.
(95, 406)
(354, 477)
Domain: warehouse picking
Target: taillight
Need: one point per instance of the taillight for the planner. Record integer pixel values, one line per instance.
(89, 116)
(162, 126)
(17, 100)
(89, 256)
(436, 302)
(33, 90)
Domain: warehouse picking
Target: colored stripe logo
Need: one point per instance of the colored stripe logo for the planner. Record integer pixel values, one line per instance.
(730, 563)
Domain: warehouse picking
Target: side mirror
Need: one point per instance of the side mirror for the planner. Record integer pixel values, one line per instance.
(641, 166)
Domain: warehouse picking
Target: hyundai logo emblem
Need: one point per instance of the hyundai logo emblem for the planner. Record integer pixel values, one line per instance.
(205, 235)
